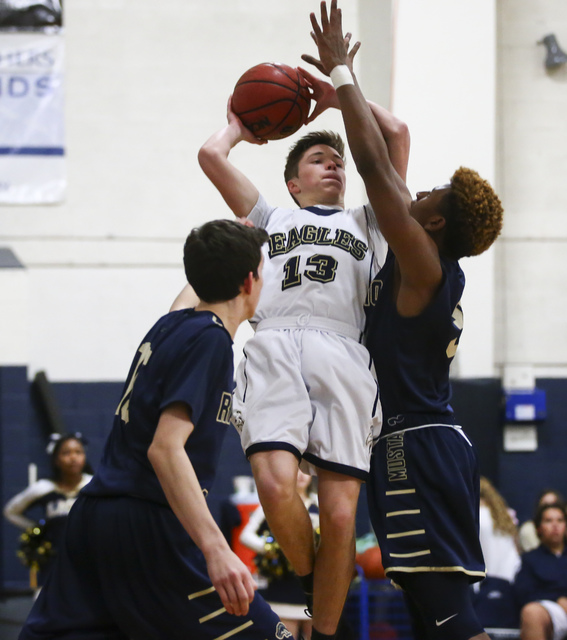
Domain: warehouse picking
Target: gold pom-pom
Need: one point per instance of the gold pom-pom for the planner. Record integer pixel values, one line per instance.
(272, 564)
(35, 551)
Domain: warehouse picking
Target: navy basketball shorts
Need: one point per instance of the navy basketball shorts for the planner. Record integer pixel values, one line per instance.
(423, 496)
(128, 570)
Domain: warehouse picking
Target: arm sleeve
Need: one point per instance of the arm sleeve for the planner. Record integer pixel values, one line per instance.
(249, 536)
(261, 213)
(376, 240)
(15, 508)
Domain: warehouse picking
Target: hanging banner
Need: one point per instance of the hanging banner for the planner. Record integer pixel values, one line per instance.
(28, 15)
(32, 152)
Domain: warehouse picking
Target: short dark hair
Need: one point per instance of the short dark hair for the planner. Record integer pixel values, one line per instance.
(540, 511)
(329, 138)
(218, 257)
(473, 215)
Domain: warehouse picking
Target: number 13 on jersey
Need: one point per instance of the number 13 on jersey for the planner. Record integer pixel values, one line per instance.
(320, 268)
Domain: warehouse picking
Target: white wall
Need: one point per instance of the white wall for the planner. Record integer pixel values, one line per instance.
(14, 317)
(146, 83)
(444, 88)
(531, 317)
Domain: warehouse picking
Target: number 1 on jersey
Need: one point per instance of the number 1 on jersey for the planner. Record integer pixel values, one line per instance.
(292, 276)
(123, 408)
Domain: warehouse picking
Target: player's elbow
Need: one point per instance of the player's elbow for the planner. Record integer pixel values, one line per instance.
(400, 129)
(368, 165)
(157, 454)
(206, 157)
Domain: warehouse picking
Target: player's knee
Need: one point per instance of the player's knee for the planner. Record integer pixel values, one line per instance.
(442, 604)
(338, 519)
(275, 490)
(462, 627)
(275, 474)
(533, 613)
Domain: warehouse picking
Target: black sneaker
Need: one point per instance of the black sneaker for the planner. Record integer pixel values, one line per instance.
(309, 602)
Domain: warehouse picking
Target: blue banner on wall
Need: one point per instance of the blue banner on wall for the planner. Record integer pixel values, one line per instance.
(32, 152)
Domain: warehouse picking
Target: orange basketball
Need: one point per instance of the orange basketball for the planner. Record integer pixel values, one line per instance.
(272, 100)
(371, 563)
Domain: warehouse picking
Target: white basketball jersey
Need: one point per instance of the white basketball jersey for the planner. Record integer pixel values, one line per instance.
(318, 261)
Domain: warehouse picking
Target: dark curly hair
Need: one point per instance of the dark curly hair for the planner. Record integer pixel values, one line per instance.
(473, 215)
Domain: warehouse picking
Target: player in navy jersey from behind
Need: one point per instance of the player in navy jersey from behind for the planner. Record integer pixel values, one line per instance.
(143, 558)
(424, 484)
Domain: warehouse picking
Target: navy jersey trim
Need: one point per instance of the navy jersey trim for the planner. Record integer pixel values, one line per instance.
(322, 212)
(273, 446)
(343, 469)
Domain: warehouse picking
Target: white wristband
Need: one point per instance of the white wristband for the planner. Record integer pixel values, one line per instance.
(341, 75)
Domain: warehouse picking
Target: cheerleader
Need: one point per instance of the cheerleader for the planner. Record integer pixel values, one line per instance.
(54, 496)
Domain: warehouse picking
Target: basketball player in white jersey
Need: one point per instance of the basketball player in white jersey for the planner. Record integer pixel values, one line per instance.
(305, 391)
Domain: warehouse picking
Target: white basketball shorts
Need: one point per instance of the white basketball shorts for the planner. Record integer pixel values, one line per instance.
(309, 391)
(558, 618)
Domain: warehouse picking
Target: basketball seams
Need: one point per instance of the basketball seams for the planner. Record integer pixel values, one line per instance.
(272, 82)
(267, 105)
(282, 121)
(286, 81)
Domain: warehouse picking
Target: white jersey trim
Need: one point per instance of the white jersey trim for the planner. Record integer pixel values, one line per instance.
(456, 427)
(307, 321)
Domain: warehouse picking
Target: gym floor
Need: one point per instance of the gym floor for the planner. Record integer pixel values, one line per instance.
(14, 609)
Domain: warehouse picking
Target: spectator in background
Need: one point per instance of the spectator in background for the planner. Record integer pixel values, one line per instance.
(528, 538)
(541, 583)
(54, 496)
(494, 600)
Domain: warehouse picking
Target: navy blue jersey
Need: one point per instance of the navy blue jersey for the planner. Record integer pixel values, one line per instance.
(412, 355)
(186, 357)
(542, 576)
(128, 568)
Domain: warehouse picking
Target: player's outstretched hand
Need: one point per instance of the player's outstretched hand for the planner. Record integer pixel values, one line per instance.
(243, 132)
(323, 93)
(232, 580)
(332, 45)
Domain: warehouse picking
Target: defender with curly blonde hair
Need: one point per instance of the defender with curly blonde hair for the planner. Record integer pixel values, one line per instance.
(474, 217)
(423, 489)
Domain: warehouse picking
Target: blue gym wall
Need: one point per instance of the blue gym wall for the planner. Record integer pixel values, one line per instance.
(89, 407)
